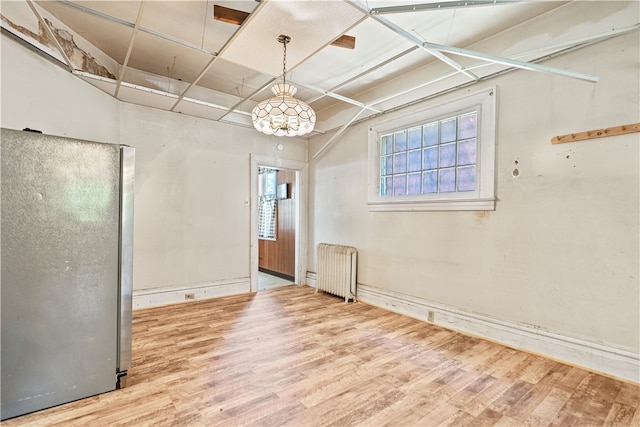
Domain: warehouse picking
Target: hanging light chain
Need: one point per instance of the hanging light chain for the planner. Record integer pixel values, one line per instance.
(284, 40)
(284, 62)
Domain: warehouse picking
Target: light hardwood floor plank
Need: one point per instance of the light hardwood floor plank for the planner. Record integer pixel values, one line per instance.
(291, 357)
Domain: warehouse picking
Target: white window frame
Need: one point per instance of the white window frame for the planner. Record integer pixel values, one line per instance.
(481, 199)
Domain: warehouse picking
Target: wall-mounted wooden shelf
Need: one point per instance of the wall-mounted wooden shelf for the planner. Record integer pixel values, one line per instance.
(597, 133)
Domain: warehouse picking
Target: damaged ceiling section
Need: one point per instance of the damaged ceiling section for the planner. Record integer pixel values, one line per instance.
(350, 60)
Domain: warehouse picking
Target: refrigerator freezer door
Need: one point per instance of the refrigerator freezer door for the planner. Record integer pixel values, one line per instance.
(59, 287)
(127, 172)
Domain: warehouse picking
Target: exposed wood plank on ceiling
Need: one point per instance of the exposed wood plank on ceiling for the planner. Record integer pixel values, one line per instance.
(226, 14)
(597, 133)
(237, 17)
(348, 42)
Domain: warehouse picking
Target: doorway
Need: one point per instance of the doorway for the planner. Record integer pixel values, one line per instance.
(283, 256)
(277, 192)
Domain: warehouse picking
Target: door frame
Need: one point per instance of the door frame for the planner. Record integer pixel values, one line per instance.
(301, 208)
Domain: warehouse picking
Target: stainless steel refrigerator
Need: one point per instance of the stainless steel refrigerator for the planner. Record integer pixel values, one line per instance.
(66, 262)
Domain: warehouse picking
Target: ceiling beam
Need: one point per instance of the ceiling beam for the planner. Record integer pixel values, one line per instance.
(257, 91)
(337, 134)
(561, 48)
(558, 48)
(438, 6)
(375, 67)
(509, 62)
(434, 47)
(414, 88)
(336, 96)
(365, 72)
(415, 40)
(163, 93)
(132, 42)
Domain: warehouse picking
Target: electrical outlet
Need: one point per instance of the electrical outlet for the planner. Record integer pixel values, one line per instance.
(189, 296)
(430, 316)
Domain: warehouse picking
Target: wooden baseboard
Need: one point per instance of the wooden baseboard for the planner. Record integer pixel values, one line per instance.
(155, 297)
(623, 363)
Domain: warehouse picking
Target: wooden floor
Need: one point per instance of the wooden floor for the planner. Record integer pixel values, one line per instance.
(289, 357)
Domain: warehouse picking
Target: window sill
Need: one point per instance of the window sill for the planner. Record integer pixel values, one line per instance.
(433, 205)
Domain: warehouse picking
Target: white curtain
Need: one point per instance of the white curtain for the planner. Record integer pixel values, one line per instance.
(267, 204)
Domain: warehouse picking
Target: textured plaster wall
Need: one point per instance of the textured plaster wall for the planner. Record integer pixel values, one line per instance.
(191, 224)
(560, 251)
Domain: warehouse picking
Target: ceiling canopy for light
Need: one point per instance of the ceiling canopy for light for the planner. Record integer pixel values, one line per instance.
(283, 115)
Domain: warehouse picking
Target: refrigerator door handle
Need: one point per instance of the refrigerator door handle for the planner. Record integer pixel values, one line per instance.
(127, 175)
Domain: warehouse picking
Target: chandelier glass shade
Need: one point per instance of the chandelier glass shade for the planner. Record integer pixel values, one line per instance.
(283, 115)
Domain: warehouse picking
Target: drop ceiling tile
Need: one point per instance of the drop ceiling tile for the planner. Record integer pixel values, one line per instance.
(233, 79)
(109, 36)
(333, 65)
(311, 25)
(141, 96)
(166, 58)
(184, 20)
(108, 87)
(214, 97)
(125, 10)
(238, 119)
(154, 81)
(200, 110)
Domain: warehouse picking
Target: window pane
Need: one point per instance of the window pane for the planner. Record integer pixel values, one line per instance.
(447, 155)
(437, 157)
(386, 144)
(430, 182)
(447, 180)
(448, 130)
(399, 185)
(386, 186)
(270, 182)
(389, 185)
(467, 126)
(430, 132)
(386, 165)
(467, 178)
(415, 138)
(401, 141)
(414, 183)
(430, 160)
(467, 152)
(400, 163)
(415, 160)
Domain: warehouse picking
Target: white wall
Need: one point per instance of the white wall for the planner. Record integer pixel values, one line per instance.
(192, 181)
(560, 252)
(192, 175)
(39, 95)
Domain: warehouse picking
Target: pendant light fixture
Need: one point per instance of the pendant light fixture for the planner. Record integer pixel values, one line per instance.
(283, 115)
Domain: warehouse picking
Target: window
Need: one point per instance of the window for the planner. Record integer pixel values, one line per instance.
(267, 203)
(436, 159)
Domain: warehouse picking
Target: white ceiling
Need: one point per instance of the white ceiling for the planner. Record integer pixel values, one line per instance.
(175, 56)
